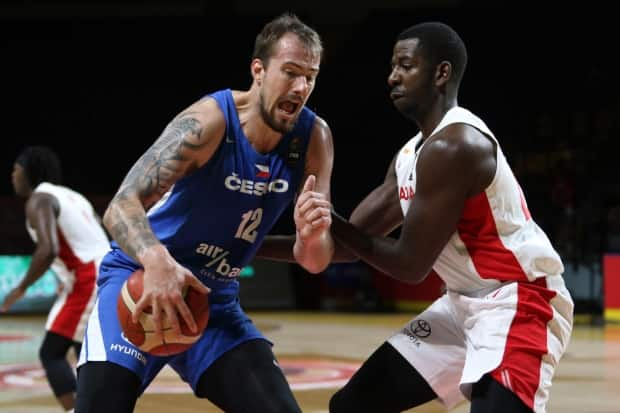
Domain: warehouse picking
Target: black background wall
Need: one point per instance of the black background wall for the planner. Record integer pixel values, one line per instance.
(99, 81)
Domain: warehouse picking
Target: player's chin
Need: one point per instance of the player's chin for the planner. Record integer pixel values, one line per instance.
(287, 120)
(400, 104)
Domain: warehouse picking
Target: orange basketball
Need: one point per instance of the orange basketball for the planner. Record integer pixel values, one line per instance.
(142, 333)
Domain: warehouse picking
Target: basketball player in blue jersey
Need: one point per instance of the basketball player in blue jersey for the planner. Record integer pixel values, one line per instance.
(192, 212)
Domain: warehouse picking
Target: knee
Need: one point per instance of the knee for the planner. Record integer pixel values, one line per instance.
(339, 403)
(289, 406)
(283, 403)
(47, 355)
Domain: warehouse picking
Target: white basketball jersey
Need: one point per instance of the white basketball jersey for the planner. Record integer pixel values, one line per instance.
(81, 237)
(496, 239)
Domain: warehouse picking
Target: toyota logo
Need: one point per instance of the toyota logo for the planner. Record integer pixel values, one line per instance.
(420, 328)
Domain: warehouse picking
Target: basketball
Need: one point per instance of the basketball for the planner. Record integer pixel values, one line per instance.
(142, 333)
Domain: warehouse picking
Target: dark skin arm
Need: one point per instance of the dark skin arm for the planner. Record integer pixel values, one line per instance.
(455, 164)
(379, 214)
(42, 213)
(186, 144)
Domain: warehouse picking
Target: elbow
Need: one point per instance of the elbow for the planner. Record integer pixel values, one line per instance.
(416, 278)
(48, 253)
(122, 198)
(105, 220)
(315, 268)
(52, 254)
(410, 273)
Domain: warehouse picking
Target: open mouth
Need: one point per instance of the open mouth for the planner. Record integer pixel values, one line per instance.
(288, 107)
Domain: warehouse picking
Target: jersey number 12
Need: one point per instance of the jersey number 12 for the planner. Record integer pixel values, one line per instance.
(249, 222)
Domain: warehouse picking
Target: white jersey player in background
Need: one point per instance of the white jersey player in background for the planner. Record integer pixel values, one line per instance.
(497, 334)
(69, 240)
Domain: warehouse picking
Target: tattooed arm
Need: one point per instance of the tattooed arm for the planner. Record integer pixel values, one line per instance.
(186, 144)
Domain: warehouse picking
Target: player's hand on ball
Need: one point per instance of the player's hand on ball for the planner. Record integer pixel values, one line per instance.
(164, 281)
(312, 212)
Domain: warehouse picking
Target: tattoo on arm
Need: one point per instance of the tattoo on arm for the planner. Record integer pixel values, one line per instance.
(172, 156)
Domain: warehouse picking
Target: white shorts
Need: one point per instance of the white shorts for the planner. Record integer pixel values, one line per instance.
(69, 314)
(517, 332)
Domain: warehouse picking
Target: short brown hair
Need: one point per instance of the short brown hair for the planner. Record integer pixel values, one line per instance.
(278, 27)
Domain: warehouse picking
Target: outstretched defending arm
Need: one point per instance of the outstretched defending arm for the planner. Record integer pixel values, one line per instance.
(378, 214)
(458, 163)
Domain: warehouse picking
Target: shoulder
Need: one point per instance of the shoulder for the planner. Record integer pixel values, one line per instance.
(208, 107)
(39, 201)
(459, 142)
(321, 129)
(205, 115)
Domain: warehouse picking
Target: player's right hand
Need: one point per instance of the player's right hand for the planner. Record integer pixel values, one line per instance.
(312, 212)
(10, 299)
(163, 284)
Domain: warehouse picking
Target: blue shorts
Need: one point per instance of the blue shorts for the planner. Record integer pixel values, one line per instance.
(228, 327)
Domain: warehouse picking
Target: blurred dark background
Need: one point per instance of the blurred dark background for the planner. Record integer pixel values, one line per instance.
(98, 81)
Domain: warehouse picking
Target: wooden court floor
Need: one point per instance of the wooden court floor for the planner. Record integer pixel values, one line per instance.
(318, 352)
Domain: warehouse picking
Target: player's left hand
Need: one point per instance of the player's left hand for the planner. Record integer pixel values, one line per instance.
(312, 212)
(10, 299)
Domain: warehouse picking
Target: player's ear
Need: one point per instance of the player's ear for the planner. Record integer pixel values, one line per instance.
(257, 69)
(443, 73)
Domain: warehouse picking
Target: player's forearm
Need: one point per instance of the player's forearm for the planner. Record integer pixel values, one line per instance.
(277, 248)
(126, 221)
(280, 248)
(381, 253)
(316, 255)
(42, 259)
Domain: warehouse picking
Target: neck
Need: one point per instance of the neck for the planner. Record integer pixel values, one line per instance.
(259, 134)
(427, 122)
(26, 194)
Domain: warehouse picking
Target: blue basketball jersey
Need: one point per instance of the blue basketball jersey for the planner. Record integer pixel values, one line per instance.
(214, 220)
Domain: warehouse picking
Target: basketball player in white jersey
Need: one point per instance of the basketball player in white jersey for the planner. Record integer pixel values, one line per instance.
(498, 333)
(70, 241)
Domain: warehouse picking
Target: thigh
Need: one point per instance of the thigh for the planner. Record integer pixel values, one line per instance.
(105, 387)
(226, 330)
(516, 336)
(488, 396)
(434, 344)
(386, 382)
(70, 311)
(105, 342)
(247, 378)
